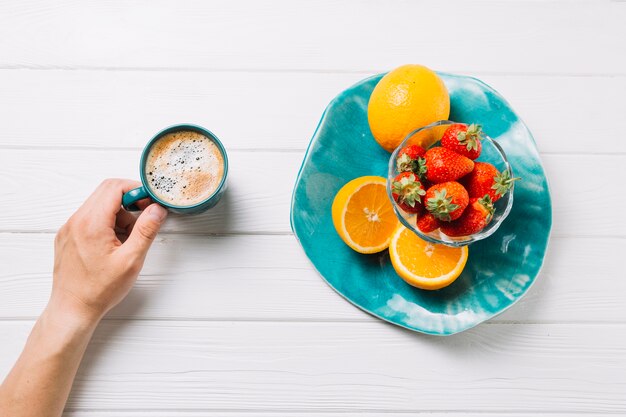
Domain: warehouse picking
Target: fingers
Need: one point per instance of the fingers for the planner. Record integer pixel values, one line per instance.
(108, 195)
(118, 187)
(145, 230)
(124, 223)
(125, 220)
(105, 202)
(142, 204)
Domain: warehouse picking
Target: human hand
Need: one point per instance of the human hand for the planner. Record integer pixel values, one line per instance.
(99, 253)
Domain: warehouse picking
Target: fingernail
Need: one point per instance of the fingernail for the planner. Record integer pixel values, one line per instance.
(156, 213)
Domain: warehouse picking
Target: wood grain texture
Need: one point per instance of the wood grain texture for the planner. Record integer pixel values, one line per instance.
(43, 187)
(333, 367)
(265, 278)
(519, 36)
(257, 200)
(260, 110)
(228, 317)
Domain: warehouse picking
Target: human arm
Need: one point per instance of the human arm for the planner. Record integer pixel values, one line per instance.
(98, 255)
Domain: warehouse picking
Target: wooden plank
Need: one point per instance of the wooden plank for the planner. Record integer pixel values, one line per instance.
(125, 109)
(43, 187)
(258, 196)
(546, 103)
(261, 278)
(324, 367)
(235, 277)
(576, 181)
(519, 36)
(266, 110)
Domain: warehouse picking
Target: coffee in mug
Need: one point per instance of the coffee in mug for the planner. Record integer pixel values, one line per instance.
(184, 168)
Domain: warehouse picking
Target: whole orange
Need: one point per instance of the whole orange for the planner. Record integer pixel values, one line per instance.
(407, 98)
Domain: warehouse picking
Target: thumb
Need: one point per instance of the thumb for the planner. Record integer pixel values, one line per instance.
(145, 229)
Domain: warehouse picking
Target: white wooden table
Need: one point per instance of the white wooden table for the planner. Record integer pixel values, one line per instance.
(228, 317)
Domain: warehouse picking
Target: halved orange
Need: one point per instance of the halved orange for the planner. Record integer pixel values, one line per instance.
(425, 265)
(363, 215)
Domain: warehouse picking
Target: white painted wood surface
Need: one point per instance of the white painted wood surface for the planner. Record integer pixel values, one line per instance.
(228, 317)
(103, 107)
(339, 367)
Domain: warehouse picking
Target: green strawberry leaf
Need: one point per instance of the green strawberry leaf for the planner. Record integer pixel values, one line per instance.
(503, 182)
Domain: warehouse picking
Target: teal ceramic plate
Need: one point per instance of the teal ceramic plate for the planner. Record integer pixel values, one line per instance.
(500, 269)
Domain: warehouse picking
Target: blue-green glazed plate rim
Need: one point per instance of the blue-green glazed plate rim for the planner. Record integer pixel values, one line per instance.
(500, 269)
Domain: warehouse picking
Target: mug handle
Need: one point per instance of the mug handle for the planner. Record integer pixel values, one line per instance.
(130, 199)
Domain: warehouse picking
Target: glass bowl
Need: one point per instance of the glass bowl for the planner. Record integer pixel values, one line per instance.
(491, 152)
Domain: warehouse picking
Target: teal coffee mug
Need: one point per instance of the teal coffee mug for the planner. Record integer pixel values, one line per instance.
(175, 161)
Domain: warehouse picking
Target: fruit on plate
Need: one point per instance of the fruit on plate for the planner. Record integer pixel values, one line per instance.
(443, 165)
(363, 215)
(407, 98)
(476, 216)
(446, 201)
(463, 139)
(410, 159)
(407, 191)
(422, 264)
(485, 179)
(428, 223)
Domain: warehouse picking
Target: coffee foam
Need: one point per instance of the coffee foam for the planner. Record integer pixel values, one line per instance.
(184, 168)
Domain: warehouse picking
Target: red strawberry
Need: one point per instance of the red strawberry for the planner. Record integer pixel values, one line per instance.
(446, 201)
(407, 191)
(463, 139)
(410, 160)
(476, 216)
(443, 165)
(428, 223)
(485, 179)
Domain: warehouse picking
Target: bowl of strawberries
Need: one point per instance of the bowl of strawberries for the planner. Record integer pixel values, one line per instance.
(456, 191)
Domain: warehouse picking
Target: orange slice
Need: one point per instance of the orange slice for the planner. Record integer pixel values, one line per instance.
(363, 215)
(425, 265)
